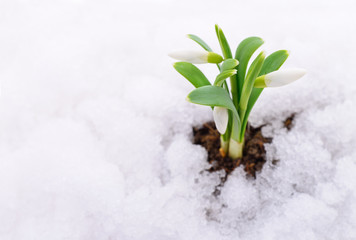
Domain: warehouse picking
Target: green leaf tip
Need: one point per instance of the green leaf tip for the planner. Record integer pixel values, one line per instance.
(217, 27)
(192, 74)
(224, 45)
(224, 75)
(229, 64)
(200, 42)
(263, 54)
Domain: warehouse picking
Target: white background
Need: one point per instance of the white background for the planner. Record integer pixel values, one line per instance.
(95, 132)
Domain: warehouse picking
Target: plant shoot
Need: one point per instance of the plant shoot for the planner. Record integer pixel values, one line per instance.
(236, 87)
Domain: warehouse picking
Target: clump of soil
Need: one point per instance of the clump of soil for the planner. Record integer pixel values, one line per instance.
(288, 123)
(254, 152)
(254, 155)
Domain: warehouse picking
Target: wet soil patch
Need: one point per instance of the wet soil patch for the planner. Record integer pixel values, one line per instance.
(288, 123)
(254, 156)
(254, 151)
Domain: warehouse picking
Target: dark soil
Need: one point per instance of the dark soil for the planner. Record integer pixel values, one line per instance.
(288, 123)
(254, 155)
(254, 151)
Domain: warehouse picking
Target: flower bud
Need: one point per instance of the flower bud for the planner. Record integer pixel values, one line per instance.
(221, 118)
(279, 78)
(196, 56)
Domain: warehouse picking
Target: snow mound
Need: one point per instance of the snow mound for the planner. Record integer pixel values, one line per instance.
(96, 138)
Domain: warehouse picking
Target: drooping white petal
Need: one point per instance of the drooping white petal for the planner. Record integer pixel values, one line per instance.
(221, 118)
(191, 56)
(283, 77)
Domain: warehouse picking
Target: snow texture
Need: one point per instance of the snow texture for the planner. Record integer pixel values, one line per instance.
(96, 135)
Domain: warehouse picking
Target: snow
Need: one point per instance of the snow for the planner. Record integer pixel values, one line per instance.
(96, 135)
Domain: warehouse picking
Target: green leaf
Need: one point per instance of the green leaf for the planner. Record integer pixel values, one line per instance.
(223, 75)
(229, 64)
(212, 96)
(235, 128)
(252, 74)
(192, 74)
(243, 54)
(225, 48)
(200, 42)
(272, 63)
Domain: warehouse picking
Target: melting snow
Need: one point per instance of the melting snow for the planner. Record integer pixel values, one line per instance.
(95, 134)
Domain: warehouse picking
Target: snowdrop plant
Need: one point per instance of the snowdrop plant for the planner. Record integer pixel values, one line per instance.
(233, 102)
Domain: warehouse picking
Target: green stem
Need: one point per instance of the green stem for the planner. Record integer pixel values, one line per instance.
(241, 112)
(226, 87)
(236, 149)
(224, 145)
(225, 138)
(234, 92)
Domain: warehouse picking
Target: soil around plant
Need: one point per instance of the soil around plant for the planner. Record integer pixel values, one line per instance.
(254, 155)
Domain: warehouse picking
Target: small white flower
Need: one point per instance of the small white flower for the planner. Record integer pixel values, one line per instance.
(221, 118)
(279, 78)
(196, 56)
(283, 77)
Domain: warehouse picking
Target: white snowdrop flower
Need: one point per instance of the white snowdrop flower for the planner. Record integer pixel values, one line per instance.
(196, 56)
(221, 118)
(279, 78)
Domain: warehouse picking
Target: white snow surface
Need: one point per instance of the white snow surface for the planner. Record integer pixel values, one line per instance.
(96, 135)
